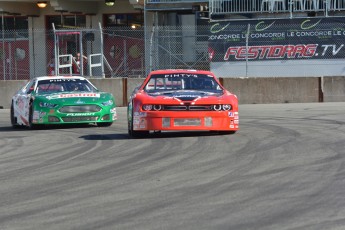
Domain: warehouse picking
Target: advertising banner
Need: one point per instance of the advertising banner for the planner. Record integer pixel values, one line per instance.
(277, 39)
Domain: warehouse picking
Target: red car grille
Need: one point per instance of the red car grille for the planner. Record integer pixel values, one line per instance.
(80, 109)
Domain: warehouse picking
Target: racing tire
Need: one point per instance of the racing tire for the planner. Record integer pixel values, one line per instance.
(135, 134)
(31, 113)
(104, 124)
(13, 118)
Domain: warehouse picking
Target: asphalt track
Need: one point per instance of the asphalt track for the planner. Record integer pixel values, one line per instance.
(285, 169)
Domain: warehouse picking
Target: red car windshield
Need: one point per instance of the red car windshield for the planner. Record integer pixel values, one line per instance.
(181, 81)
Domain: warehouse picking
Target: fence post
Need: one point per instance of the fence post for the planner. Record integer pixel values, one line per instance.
(247, 41)
(124, 91)
(321, 82)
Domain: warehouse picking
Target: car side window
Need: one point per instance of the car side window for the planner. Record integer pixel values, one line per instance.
(29, 87)
(154, 84)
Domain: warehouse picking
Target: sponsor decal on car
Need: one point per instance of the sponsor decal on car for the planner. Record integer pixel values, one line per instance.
(139, 123)
(79, 101)
(140, 114)
(180, 75)
(136, 120)
(71, 95)
(236, 115)
(79, 114)
(20, 103)
(36, 115)
(142, 123)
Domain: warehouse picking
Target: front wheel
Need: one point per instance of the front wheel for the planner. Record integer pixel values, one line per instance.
(133, 133)
(13, 118)
(227, 132)
(31, 113)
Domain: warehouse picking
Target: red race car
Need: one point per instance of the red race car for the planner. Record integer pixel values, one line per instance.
(181, 100)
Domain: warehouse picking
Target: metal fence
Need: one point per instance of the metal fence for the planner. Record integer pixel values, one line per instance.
(236, 49)
(281, 6)
(126, 52)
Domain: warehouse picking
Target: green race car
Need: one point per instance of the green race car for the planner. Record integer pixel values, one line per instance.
(62, 100)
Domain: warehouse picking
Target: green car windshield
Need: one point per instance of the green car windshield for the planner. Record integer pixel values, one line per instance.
(64, 85)
(181, 81)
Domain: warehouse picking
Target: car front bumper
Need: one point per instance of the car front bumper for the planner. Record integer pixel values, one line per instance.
(201, 120)
(53, 116)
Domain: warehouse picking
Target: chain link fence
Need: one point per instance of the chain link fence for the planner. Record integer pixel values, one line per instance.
(298, 47)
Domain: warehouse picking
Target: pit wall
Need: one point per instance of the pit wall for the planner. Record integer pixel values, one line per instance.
(249, 90)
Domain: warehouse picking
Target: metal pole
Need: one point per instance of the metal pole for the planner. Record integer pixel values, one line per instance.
(291, 5)
(247, 41)
(80, 43)
(33, 45)
(151, 47)
(102, 51)
(15, 38)
(3, 46)
(125, 61)
(56, 52)
(145, 37)
(326, 7)
(81, 54)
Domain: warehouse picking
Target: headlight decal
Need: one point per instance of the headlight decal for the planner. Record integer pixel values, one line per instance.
(217, 107)
(222, 107)
(226, 107)
(187, 107)
(147, 107)
(47, 105)
(157, 107)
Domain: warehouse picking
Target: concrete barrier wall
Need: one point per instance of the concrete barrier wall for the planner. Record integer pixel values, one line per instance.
(273, 90)
(7, 90)
(333, 89)
(132, 83)
(111, 85)
(249, 90)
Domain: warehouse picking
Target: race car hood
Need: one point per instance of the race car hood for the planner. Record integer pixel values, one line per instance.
(82, 97)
